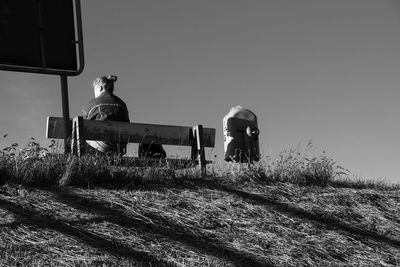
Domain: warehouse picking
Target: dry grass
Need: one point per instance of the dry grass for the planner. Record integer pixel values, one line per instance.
(200, 222)
(67, 212)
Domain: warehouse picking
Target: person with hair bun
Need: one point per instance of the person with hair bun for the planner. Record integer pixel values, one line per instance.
(106, 106)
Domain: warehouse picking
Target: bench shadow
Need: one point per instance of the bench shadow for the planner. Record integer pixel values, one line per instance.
(107, 246)
(328, 221)
(159, 225)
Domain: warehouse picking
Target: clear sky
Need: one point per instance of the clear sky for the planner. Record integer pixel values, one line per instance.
(320, 70)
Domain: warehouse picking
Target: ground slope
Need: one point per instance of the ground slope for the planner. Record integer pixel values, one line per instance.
(199, 222)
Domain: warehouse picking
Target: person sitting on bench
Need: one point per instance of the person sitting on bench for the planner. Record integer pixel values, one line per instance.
(106, 106)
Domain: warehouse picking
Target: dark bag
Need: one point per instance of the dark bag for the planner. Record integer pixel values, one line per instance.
(151, 151)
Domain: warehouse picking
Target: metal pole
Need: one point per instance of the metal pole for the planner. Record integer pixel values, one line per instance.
(66, 120)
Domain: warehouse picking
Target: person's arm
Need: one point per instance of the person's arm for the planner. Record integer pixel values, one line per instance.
(92, 111)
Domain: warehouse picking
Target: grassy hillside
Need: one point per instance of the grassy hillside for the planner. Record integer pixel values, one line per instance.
(293, 210)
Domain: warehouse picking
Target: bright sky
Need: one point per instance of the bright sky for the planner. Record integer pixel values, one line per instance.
(326, 71)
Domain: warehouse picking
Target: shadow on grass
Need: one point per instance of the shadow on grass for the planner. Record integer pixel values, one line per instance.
(328, 221)
(13, 225)
(103, 244)
(161, 226)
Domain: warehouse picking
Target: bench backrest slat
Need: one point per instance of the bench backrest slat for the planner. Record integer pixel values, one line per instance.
(115, 131)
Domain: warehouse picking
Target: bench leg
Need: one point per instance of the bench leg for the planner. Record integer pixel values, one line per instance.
(78, 138)
(198, 148)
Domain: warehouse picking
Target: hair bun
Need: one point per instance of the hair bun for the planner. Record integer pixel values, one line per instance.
(112, 78)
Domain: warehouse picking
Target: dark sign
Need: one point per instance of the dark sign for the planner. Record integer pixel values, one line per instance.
(40, 36)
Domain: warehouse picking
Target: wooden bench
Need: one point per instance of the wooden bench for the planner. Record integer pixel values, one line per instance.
(196, 137)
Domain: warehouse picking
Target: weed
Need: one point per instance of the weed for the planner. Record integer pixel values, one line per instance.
(37, 165)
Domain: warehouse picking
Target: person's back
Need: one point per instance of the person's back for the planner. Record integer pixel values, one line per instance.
(106, 106)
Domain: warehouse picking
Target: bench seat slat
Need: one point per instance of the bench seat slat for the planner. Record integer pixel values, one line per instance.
(115, 131)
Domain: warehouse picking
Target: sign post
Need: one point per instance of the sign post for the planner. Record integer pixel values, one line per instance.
(66, 120)
(43, 36)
